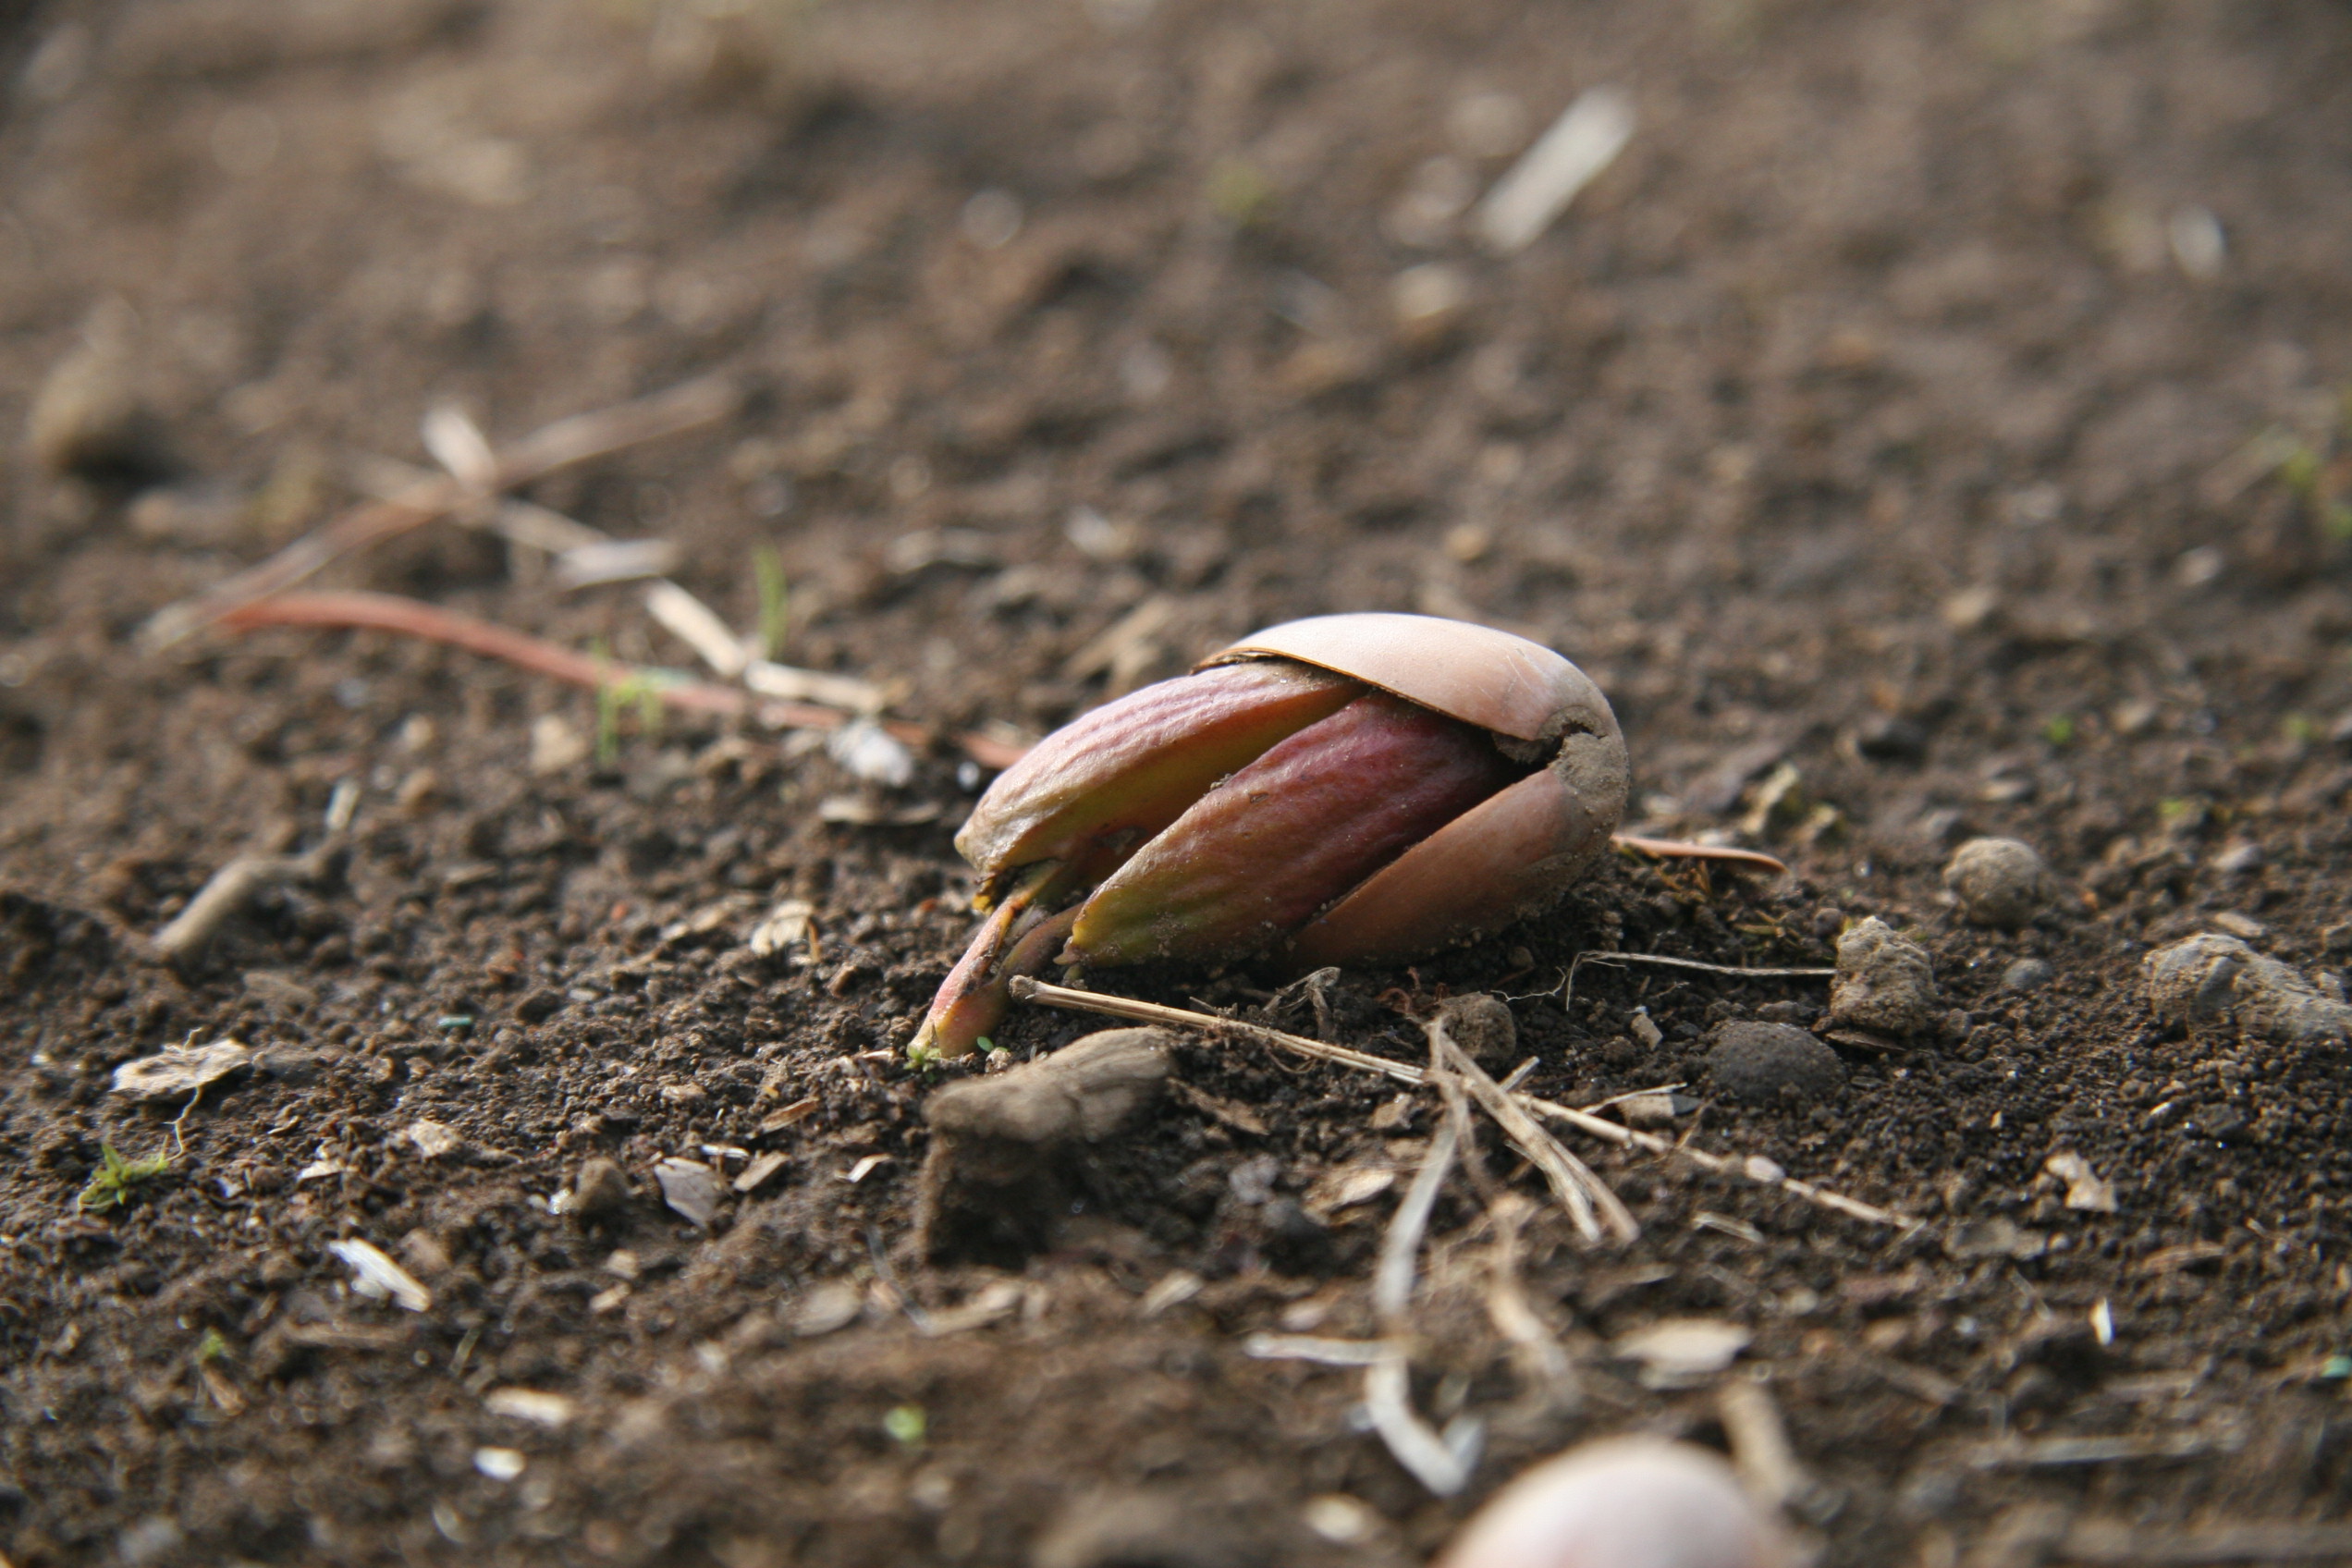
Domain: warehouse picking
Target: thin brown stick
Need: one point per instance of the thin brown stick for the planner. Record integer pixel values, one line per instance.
(1676, 849)
(1028, 991)
(560, 445)
(1567, 987)
(359, 611)
(1738, 972)
(1759, 1172)
(1762, 1173)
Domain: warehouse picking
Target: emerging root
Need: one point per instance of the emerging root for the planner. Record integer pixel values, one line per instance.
(1017, 938)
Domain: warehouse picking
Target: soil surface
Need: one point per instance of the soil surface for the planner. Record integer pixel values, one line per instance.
(1932, 425)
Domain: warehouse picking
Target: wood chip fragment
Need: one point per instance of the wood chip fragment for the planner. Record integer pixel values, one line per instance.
(2188, 1255)
(432, 1139)
(689, 1188)
(798, 1111)
(380, 1277)
(551, 1410)
(2084, 1188)
(755, 1175)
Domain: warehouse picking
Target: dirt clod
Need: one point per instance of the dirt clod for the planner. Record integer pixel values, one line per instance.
(2000, 882)
(599, 1190)
(1482, 1025)
(1007, 1149)
(1761, 1062)
(2211, 979)
(1885, 983)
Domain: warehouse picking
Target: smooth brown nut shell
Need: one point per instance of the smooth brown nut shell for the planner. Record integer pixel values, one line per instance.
(1474, 673)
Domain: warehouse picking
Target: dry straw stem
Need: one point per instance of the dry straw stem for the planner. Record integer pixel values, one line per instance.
(1388, 1396)
(1025, 990)
(1587, 1197)
(1543, 1360)
(560, 445)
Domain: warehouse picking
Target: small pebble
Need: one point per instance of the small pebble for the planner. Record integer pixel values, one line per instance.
(86, 420)
(600, 1190)
(1999, 882)
(2239, 859)
(1884, 983)
(1655, 1110)
(2027, 975)
(1758, 1061)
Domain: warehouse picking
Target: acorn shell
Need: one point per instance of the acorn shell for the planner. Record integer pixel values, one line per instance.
(1491, 678)
(1510, 855)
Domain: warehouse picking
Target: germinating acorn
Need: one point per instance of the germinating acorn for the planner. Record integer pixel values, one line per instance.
(1351, 789)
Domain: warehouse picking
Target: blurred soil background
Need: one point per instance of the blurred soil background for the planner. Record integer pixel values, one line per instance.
(1933, 424)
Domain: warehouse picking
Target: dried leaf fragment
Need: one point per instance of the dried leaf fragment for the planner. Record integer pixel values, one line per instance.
(180, 1070)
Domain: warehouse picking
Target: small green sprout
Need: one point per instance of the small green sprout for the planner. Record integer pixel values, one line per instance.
(906, 1424)
(212, 1347)
(2300, 472)
(924, 1058)
(2299, 729)
(111, 1185)
(2059, 731)
(613, 699)
(775, 599)
(1240, 192)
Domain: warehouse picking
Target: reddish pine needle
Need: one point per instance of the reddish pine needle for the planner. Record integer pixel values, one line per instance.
(413, 617)
(1676, 849)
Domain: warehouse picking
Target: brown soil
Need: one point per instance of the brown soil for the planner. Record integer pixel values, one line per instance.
(1882, 412)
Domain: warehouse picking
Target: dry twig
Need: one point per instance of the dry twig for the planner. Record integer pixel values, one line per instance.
(359, 611)
(1760, 1171)
(1567, 987)
(558, 446)
(1586, 1196)
(1676, 849)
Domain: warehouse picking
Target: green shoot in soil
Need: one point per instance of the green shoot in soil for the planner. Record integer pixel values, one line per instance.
(613, 699)
(775, 600)
(906, 1424)
(111, 1182)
